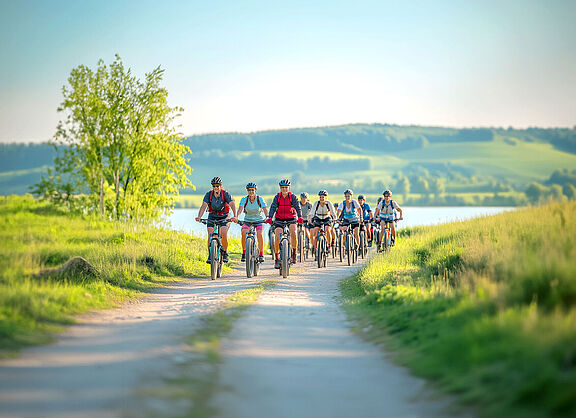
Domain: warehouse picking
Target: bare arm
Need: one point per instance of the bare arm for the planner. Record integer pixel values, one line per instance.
(201, 211)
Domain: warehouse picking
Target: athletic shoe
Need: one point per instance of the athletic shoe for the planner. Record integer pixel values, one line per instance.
(261, 258)
(293, 258)
(243, 257)
(277, 263)
(224, 257)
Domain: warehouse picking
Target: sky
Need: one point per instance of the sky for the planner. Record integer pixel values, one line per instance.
(244, 66)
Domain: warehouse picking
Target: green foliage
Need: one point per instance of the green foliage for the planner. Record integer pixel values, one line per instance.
(38, 237)
(485, 307)
(116, 145)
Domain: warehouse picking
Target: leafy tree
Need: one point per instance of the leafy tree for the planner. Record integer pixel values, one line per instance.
(403, 186)
(535, 192)
(117, 142)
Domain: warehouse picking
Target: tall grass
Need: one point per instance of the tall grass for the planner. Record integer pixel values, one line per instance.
(130, 259)
(487, 308)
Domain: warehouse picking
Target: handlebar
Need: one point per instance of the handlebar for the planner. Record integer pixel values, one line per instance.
(215, 222)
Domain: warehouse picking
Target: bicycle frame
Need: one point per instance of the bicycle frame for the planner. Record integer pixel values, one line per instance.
(215, 247)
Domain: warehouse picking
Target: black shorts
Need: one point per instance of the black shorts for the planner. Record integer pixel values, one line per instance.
(213, 217)
(317, 222)
(276, 223)
(353, 224)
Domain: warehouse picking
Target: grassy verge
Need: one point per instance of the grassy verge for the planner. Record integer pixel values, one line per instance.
(129, 259)
(486, 308)
(189, 391)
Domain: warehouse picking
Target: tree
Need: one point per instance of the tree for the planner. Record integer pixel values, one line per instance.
(117, 142)
(403, 186)
(535, 192)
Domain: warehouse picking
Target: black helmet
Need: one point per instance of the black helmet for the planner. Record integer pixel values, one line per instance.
(361, 196)
(284, 182)
(216, 180)
(251, 185)
(348, 191)
(387, 192)
(304, 195)
(322, 193)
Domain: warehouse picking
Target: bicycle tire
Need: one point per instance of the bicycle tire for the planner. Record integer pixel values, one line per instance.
(324, 252)
(348, 249)
(341, 247)
(285, 259)
(301, 238)
(319, 251)
(249, 255)
(271, 240)
(362, 243)
(214, 258)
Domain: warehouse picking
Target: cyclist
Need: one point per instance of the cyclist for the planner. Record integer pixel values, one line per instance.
(285, 207)
(386, 209)
(253, 206)
(322, 213)
(305, 207)
(367, 216)
(218, 201)
(350, 213)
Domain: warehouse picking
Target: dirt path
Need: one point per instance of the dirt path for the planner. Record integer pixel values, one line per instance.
(94, 367)
(292, 354)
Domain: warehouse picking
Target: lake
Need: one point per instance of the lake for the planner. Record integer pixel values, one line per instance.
(183, 219)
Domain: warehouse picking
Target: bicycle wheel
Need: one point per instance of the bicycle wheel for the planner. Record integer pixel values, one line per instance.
(271, 240)
(354, 251)
(341, 247)
(249, 255)
(363, 243)
(319, 251)
(324, 252)
(301, 240)
(255, 262)
(285, 258)
(214, 259)
(349, 249)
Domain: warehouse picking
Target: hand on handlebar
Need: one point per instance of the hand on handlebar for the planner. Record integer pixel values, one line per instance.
(269, 221)
(234, 219)
(198, 218)
(300, 220)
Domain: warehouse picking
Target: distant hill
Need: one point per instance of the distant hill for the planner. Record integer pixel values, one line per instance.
(463, 166)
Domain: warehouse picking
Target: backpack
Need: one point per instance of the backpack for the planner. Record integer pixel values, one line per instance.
(226, 207)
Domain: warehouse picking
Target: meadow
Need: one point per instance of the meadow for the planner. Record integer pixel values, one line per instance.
(485, 308)
(129, 259)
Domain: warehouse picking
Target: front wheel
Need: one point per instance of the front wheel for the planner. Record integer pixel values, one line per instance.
(319, 251)
(349, 249)
(214, 259)
(285, 258)
(249, 256)
(271, 238)
(363, 243)
(301, 241)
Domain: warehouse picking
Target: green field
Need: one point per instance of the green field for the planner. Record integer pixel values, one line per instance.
(129, 259)
(485, 308)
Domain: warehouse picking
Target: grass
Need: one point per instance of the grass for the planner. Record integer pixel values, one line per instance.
(196, 379)
(130, 259)
(486, 308)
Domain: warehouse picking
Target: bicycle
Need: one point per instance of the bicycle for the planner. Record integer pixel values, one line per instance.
(339, 240)
(386, 243)
(215, 247)
(252, 249)
(350, 245)
(285, 247)
(376, 231)
(321, 246)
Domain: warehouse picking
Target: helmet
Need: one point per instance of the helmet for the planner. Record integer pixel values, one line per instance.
(284, 182)
(361, 196)
(322, 193)
(216, 180)
(387, 193)
(348, 191)
(304, 195)
(251, 185)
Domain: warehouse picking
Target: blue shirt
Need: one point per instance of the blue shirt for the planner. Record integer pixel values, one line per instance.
(253, 211)
(366, 211)
(351, 213)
